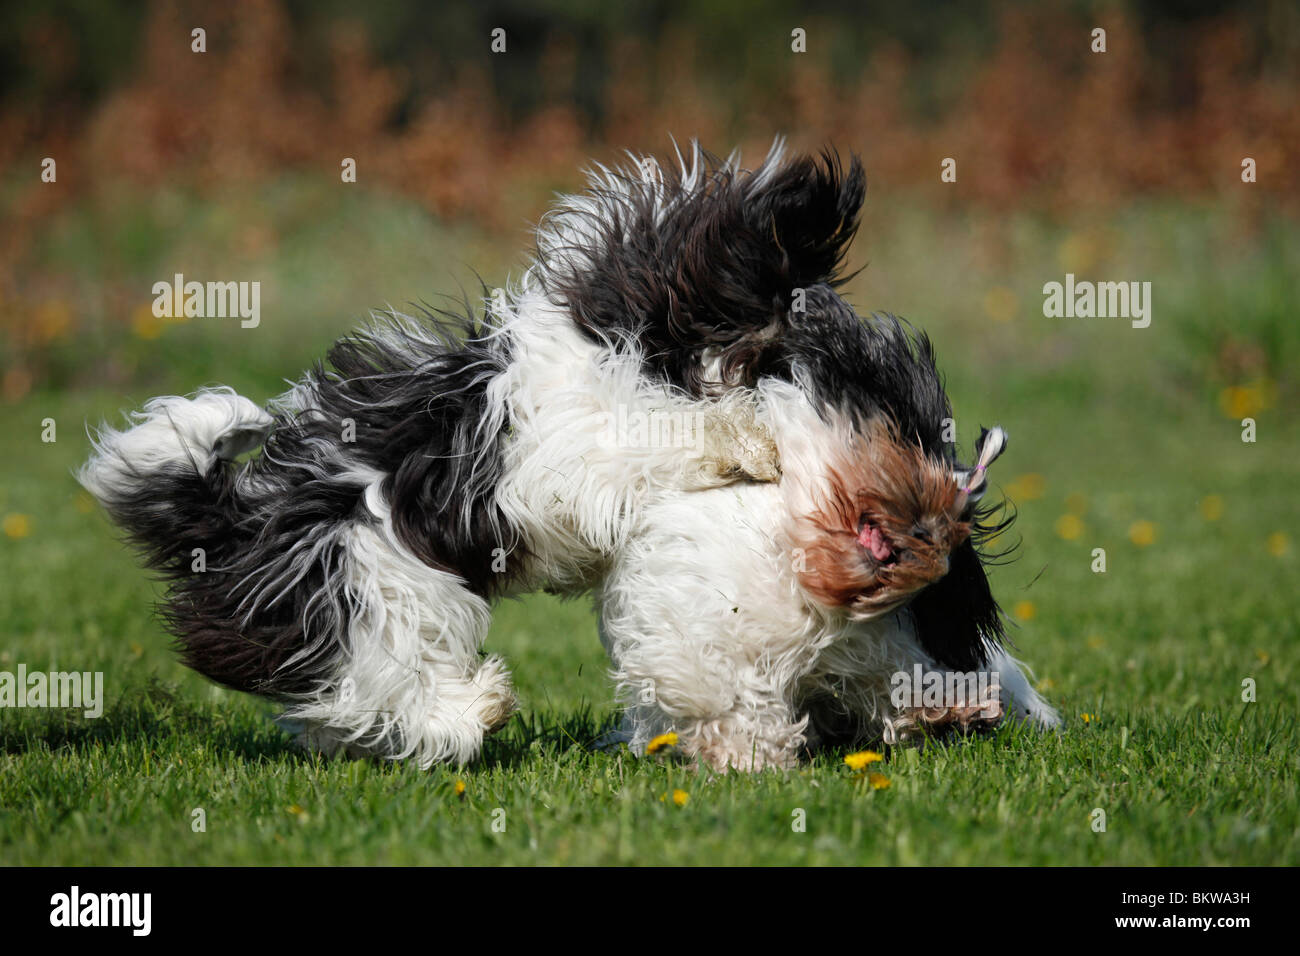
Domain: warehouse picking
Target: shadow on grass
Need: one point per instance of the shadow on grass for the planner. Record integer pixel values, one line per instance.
(533, 734)
(156, 712)
(153, 712)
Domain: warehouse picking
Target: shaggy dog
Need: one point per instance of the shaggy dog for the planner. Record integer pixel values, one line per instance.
(672, 409)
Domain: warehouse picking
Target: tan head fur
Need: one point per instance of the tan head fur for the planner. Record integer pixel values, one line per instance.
(883, 526)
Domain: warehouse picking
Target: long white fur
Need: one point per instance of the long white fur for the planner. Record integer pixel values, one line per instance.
(713, 638)
(168, 430)
(696, 592)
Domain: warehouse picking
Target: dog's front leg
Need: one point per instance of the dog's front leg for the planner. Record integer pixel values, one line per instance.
(747, 726)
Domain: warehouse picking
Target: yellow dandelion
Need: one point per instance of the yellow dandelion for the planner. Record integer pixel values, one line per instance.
(460, 788)
(146, 325)
(1069, 527)
(1001, 304)
(1087, 718)
(1247, 401)
(1211, 507)
(659, 743)
(1142, 533)
(1237, 402)
(136, 650)
(1025, 610)
(878, 781)
(1262, 657)
(1278, 544)
(1078, 252)
(1028, 487)
(17, 526)
(680, 797)
(1045, 684)
(1095, 643)
(863, 757)
(1076, 503)
(51, 320)
(83, 503)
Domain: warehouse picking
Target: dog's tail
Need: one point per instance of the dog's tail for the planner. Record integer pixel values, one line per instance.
(252, 599)
(166, 479)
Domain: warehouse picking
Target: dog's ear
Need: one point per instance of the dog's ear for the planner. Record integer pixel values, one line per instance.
(802, 215)
(799, 218)
(701, 267)
(958, 621)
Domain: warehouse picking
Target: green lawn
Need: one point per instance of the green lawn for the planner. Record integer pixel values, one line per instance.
(1125, 430)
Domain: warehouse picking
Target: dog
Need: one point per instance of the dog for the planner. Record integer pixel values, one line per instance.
(759, 622)
(433, 464)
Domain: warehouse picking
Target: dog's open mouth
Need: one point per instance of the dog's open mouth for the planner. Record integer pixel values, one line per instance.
(875, 543)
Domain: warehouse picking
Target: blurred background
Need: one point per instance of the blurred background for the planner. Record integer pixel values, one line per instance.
(1124, 166)
(1117, 166)
(227, 163)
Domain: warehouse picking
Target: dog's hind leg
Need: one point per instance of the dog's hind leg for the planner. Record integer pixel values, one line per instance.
(410, 680)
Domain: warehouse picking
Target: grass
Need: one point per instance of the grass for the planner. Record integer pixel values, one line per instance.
(1112, 425)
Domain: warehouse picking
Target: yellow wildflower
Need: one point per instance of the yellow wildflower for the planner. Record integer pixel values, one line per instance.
(17, 526)
(1028, 487)
(659, 743)
(1142, 533)
(1211, 507)
(1001, 304)
(145, 324)
(863, 757)
(1278, 544)
(1069, 527)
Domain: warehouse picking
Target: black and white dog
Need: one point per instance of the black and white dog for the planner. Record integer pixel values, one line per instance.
(672, 409)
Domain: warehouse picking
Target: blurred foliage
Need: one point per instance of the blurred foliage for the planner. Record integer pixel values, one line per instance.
(142, 128)
(71, 52)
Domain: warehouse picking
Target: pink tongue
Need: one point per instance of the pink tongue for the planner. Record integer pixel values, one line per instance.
(871, 538)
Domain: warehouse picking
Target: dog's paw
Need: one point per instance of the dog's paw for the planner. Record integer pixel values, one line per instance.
(938, 721)
(497, 702)
(737, 447)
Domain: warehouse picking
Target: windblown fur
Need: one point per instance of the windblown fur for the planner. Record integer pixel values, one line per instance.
(783, 452)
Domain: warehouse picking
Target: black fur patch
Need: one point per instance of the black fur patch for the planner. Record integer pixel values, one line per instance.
(270, 613)
(226, 618)
(421, 410)
(862, 368)
(717, 271)
(881, 365)
(958, 621)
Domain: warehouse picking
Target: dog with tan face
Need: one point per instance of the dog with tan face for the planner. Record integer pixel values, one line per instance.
(761, 621)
